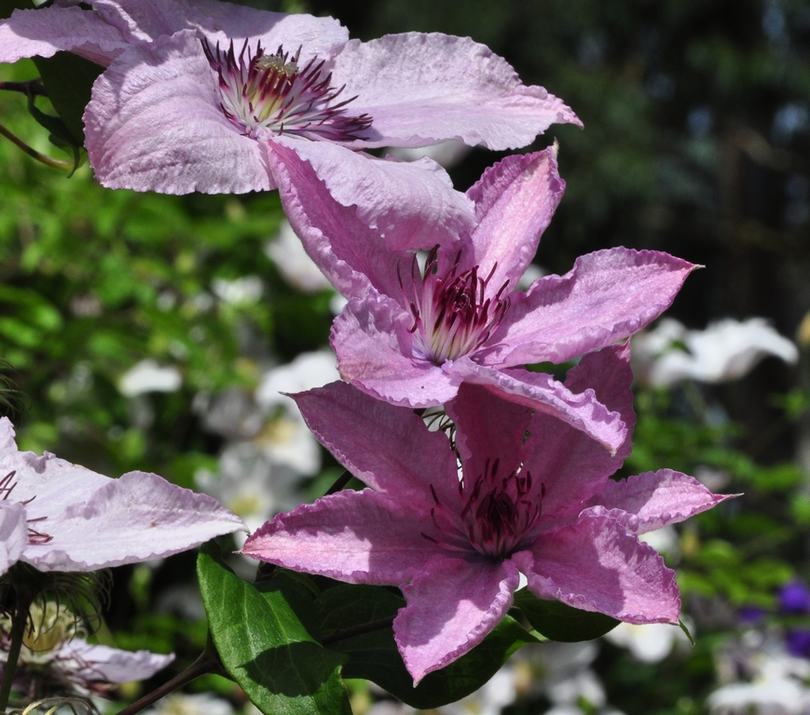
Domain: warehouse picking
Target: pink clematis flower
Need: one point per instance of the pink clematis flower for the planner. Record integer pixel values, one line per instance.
(411, 336)
(535, 497)
(58, 516)
(197, 96)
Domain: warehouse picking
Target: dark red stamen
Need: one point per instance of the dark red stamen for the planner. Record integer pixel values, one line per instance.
(260, 91)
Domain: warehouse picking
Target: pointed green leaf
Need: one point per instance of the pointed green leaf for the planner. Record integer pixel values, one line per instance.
(69, 80)
(559, 622)
(264, 645)
(374, 655)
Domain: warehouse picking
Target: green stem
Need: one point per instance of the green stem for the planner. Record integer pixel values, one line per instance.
(24, 600)
(42, 158)
(360, 630)
(208, 662)
(340, 482)
(28, 88)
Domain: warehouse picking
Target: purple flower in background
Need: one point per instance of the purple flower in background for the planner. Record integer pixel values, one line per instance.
(534, 497)
(797, 642)
(58, 516)
(411, 336)
(794, 597)
(197, 96)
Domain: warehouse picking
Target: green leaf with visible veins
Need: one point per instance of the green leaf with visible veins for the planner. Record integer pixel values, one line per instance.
(264, 645)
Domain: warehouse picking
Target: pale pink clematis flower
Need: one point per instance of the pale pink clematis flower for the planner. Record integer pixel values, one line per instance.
(56, 658)
(535, 497)
(58, 516)
(410, 337)
(197, 95)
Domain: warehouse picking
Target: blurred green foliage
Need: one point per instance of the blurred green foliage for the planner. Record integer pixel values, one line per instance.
(696, 142)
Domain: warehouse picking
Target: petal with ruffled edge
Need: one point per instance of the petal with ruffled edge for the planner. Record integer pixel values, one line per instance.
(375, 353)
(452, 605)
(514, 202)
(595, 565)
(357, 537)
(609, 373)
(652, 500)
(488, 428)
(346, 250)
(149, 21)
(444, 87)
(46, 31)
(605, 298)
(409, 205)
(137, 517)
(13, 534)
(111, 665)
(543, 393)
(389, 448)
(154, 124)
(568, 463)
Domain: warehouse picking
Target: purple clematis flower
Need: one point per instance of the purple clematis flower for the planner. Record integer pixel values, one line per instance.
(197, 96)
(411, 336)
(534, 497)
(58, 516)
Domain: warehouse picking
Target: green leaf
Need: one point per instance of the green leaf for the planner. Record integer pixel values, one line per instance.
(264, 645)
(374, 655)
(559, 622)
(69, 80)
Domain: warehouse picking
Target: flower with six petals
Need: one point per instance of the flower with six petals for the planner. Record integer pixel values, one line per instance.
(534, 497)
(411, 337)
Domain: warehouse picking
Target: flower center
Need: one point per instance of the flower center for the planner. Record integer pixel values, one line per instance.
(453, 315)
(497, 515)
(271, 92)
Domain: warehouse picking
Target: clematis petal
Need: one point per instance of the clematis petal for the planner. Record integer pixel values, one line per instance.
(111, 665)
(13, 534)
(605, 298)
(595, 565)
(48, 485)
(452, 605)
(514, 202)
(44, 32)
(350, 255)
(488, 427)
(154, 124)
(149, 21)
(137, 517)
(568, 463)
(543, 393)
(387, 447)
(357, 537)
(374, 350)
(408, 205)
(608, 372)
(649, 501)
(446, 88)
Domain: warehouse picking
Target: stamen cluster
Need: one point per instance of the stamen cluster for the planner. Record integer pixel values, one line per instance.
(498, 513)
(271, 92)
(453, 315)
